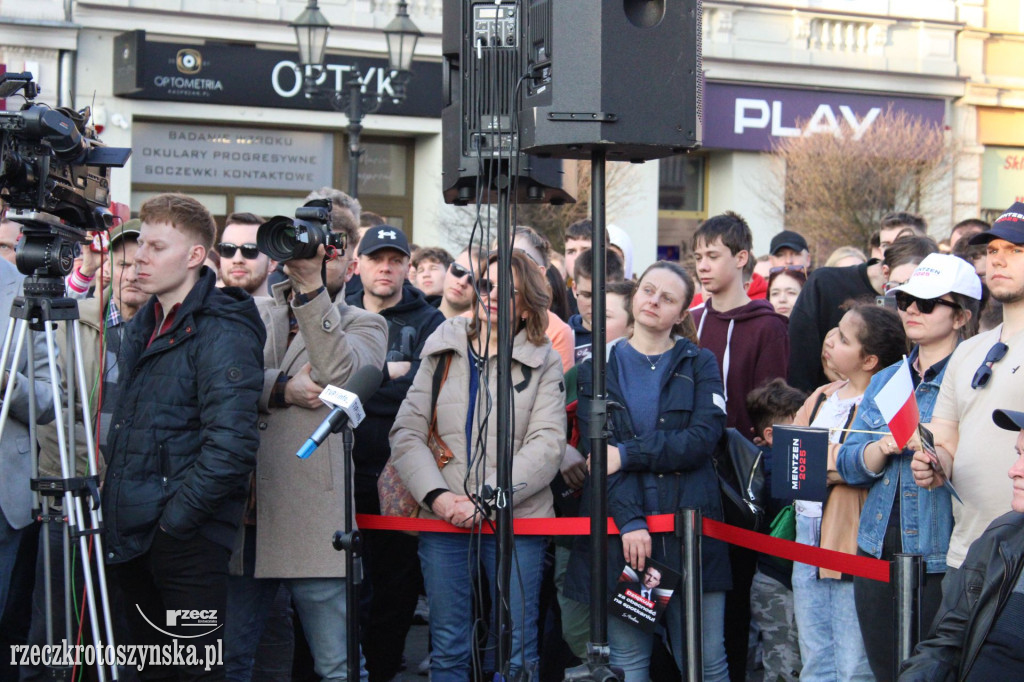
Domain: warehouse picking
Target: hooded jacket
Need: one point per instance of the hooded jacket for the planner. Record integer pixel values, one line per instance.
(816, 311)
(583, 338)
(410, 322)
(538, 409)
(751, 344)
(184, 435)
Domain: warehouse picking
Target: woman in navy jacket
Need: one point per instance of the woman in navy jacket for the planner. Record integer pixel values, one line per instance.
(659, 460)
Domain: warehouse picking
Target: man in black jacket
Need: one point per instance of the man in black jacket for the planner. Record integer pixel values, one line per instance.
(184, 437)
(978, 633)
(391, 558)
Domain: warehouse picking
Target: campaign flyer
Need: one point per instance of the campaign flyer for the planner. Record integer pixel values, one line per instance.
(799, 463)
(641, 597)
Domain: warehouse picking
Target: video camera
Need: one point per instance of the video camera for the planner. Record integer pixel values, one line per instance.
(54, 177)
(284, 239)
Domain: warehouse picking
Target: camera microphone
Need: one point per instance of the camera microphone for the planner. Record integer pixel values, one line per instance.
(348, 406)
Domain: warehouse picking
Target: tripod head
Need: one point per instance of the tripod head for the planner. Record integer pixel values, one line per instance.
(46, 252)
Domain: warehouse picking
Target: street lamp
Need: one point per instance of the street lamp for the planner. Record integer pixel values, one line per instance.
(311, 30)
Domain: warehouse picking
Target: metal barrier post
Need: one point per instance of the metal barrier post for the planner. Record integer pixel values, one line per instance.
(688, 529)
(906, 580)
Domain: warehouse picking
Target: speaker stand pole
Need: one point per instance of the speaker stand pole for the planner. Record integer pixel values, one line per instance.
(503, 496)
(597, 666)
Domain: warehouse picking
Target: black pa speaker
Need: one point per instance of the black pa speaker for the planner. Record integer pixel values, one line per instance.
(482, 84)
(624, 75)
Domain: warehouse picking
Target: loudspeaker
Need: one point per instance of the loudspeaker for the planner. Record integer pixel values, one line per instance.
(482, 84)
(129, 49)
(624, 75)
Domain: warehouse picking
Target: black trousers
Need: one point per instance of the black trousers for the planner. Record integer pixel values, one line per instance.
(876, 609)
(177, 575)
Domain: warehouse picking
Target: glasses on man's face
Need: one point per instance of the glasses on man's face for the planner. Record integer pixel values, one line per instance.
(984, 373)
(487, 287)
(924, 305)
(459, 272)
(890, 285)
(227, 250)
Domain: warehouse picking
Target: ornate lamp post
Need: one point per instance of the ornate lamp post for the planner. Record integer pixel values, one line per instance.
(311, 30)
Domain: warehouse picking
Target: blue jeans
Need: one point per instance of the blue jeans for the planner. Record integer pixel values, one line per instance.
(631, 647)
(831, 645)
(449, 562)
(320, 603)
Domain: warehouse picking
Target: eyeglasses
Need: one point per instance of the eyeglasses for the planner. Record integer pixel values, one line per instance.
(788, 268)
(890, 285)
(984, 373)
(459, 272)
(227, 250)
(924, 305)
(487, 287)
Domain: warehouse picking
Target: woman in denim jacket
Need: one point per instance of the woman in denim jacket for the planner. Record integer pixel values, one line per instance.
(938, 306)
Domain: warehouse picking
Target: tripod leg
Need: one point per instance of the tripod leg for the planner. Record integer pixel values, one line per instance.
(73, 506)
(95, 512)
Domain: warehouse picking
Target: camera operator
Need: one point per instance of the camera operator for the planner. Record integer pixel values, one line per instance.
(103, 322)
(313, 339)
(184, 435)
(16, 451)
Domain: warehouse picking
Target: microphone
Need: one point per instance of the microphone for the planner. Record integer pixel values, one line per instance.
(348, 406)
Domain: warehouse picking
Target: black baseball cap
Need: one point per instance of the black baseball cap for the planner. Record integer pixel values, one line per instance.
(128, 229)
(787, 239)
(1008, 419)
(1009, 226)
(383, 237)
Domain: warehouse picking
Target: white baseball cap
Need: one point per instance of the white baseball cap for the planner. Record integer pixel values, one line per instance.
(941, 273)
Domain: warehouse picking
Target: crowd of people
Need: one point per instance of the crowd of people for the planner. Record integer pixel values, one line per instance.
(205, 360)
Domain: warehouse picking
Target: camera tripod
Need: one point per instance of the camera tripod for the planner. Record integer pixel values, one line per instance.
(41, 309)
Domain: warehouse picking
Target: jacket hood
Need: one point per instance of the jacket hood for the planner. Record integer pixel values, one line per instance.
(576, 323)
(206, 298)
(453, 335)
(412, 299)
(756, 308)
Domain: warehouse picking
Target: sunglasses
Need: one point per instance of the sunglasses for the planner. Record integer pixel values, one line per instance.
(788, 268)
(227, 250)
(459, 272)
(924, 305)
(487, 287)
(984, 373)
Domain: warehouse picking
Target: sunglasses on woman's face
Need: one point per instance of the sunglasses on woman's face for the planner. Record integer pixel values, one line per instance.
(227, 250)
(487, 287)
(984, 373)
(924, 305)
(459, 272)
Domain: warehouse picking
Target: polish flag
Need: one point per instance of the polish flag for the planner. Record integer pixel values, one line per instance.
(897, 403)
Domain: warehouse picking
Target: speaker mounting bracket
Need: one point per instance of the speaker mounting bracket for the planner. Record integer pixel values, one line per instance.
(582, 116)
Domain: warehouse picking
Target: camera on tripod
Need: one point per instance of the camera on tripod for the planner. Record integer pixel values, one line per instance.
(54, 176)
(284, 239)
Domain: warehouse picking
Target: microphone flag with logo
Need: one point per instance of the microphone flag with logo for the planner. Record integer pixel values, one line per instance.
(898, 405)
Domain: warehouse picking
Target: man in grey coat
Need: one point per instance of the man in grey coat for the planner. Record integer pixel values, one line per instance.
(313, 339)
(16, 449)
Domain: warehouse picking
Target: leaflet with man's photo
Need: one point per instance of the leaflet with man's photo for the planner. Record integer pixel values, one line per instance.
(642, 596)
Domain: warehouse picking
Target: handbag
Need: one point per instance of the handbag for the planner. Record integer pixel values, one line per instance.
(395, 498)
(739, 465)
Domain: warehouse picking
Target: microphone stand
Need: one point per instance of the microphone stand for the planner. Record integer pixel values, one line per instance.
(350, 541)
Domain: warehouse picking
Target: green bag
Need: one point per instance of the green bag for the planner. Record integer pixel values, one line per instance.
(784, 524)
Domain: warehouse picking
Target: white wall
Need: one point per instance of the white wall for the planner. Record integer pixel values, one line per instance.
(738, 182)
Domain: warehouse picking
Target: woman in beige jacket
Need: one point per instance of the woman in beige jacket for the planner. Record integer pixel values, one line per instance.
(465, 404)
